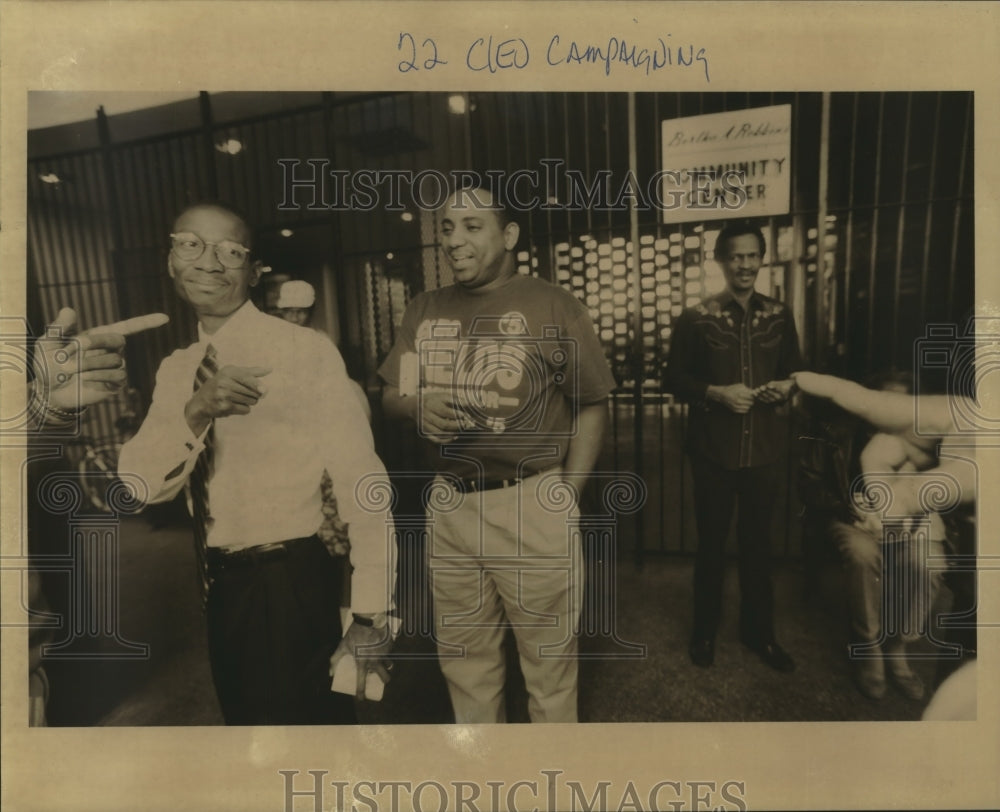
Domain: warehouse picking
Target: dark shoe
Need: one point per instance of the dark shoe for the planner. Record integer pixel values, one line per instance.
(702, 651)
(773, 655)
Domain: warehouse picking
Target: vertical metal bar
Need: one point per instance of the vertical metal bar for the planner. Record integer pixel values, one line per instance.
(60, 262)
(794, 280)
(117, 239)
(431, 119)
(873, 253)
(131, 215)
(660, 323)
(467, 134)
(900, 229)
(821, 330)
(205, 106)
(929, 210)
(956, 221)
(795, 289)
(548, 212)
(682, 413)
(532, 237)
(637, 347)
(849, 230)
(151, 180)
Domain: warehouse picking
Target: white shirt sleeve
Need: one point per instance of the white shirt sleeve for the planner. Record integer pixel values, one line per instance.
(157, 461)
(360, 483)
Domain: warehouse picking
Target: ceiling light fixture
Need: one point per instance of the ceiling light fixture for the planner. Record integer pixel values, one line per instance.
(230, 146)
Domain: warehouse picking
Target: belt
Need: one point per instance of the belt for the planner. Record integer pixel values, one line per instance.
(473, 485)
(219, 558)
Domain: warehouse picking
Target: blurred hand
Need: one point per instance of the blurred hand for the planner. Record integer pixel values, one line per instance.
(74, 372)
(232, 390)
(369, 647)
(774, 391)
(439, 416)
(821, 386)
(736, 397)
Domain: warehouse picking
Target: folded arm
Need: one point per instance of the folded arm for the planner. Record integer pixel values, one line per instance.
(164, 450)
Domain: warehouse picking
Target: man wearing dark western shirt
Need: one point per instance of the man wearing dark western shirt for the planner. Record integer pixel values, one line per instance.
(730, 359)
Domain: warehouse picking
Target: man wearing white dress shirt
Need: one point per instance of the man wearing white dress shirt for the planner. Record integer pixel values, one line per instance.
(248, 417)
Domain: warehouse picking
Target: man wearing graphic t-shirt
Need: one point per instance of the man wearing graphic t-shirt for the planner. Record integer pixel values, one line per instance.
(507, 383)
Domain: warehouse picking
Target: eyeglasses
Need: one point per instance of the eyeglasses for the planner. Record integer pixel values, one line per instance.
(188, 246)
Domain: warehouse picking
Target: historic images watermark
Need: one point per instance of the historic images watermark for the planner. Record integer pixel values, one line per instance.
(313, 185)
(549, 791)
(89, 559)
(968, 431)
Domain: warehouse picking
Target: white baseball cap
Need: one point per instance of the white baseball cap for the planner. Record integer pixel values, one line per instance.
(296, 293)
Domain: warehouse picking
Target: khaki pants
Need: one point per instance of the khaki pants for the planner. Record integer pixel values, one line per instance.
(881, 609)
(499, 558)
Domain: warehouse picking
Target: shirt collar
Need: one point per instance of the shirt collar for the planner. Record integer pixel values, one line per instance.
(232, 331)
(755, 302)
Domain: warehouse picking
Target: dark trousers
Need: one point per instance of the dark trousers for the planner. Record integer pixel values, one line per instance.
(716, 493)
(272, 626)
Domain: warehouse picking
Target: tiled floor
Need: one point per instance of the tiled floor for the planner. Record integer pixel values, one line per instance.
(159, 606)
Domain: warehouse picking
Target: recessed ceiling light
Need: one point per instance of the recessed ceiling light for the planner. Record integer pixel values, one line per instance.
(390, 255)
(286, 232)
(457, 103)
(406, 216)
(49, 177)
(230, 146)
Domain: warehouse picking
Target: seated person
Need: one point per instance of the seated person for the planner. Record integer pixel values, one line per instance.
(876, 568)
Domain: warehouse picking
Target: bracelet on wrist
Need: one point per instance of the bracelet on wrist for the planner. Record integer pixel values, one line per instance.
(373, 621)
(65, 414)
(45, 414)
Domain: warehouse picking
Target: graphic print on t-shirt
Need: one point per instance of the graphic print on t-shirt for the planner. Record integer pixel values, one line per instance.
(498, 374)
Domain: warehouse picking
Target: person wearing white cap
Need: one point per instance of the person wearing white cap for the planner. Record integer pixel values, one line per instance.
(296, 300)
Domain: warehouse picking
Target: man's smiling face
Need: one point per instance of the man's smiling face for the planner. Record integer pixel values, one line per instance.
(211, 288)
(477, 244)
(741, 263)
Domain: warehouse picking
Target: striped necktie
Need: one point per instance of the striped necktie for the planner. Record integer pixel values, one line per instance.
(198, 481)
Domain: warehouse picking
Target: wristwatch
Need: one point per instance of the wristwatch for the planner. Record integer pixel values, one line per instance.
(374, 621)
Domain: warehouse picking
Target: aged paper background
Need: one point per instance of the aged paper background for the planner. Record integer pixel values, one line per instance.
(220, 46)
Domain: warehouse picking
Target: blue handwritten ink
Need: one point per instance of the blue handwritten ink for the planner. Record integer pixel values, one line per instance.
(411, 64)
(407, 64)
(702, 57)
(548, 51)
(432, 60)
(619, 51)
(664, 55)
(511, 53)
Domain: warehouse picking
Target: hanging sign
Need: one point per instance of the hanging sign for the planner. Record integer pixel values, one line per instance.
(725, 165)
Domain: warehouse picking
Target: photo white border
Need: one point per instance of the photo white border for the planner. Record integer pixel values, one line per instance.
(222, 45)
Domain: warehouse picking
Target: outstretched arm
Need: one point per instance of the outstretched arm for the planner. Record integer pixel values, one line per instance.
(923, 419)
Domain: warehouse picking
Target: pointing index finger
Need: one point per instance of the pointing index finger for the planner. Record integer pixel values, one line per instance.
(134, 325)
